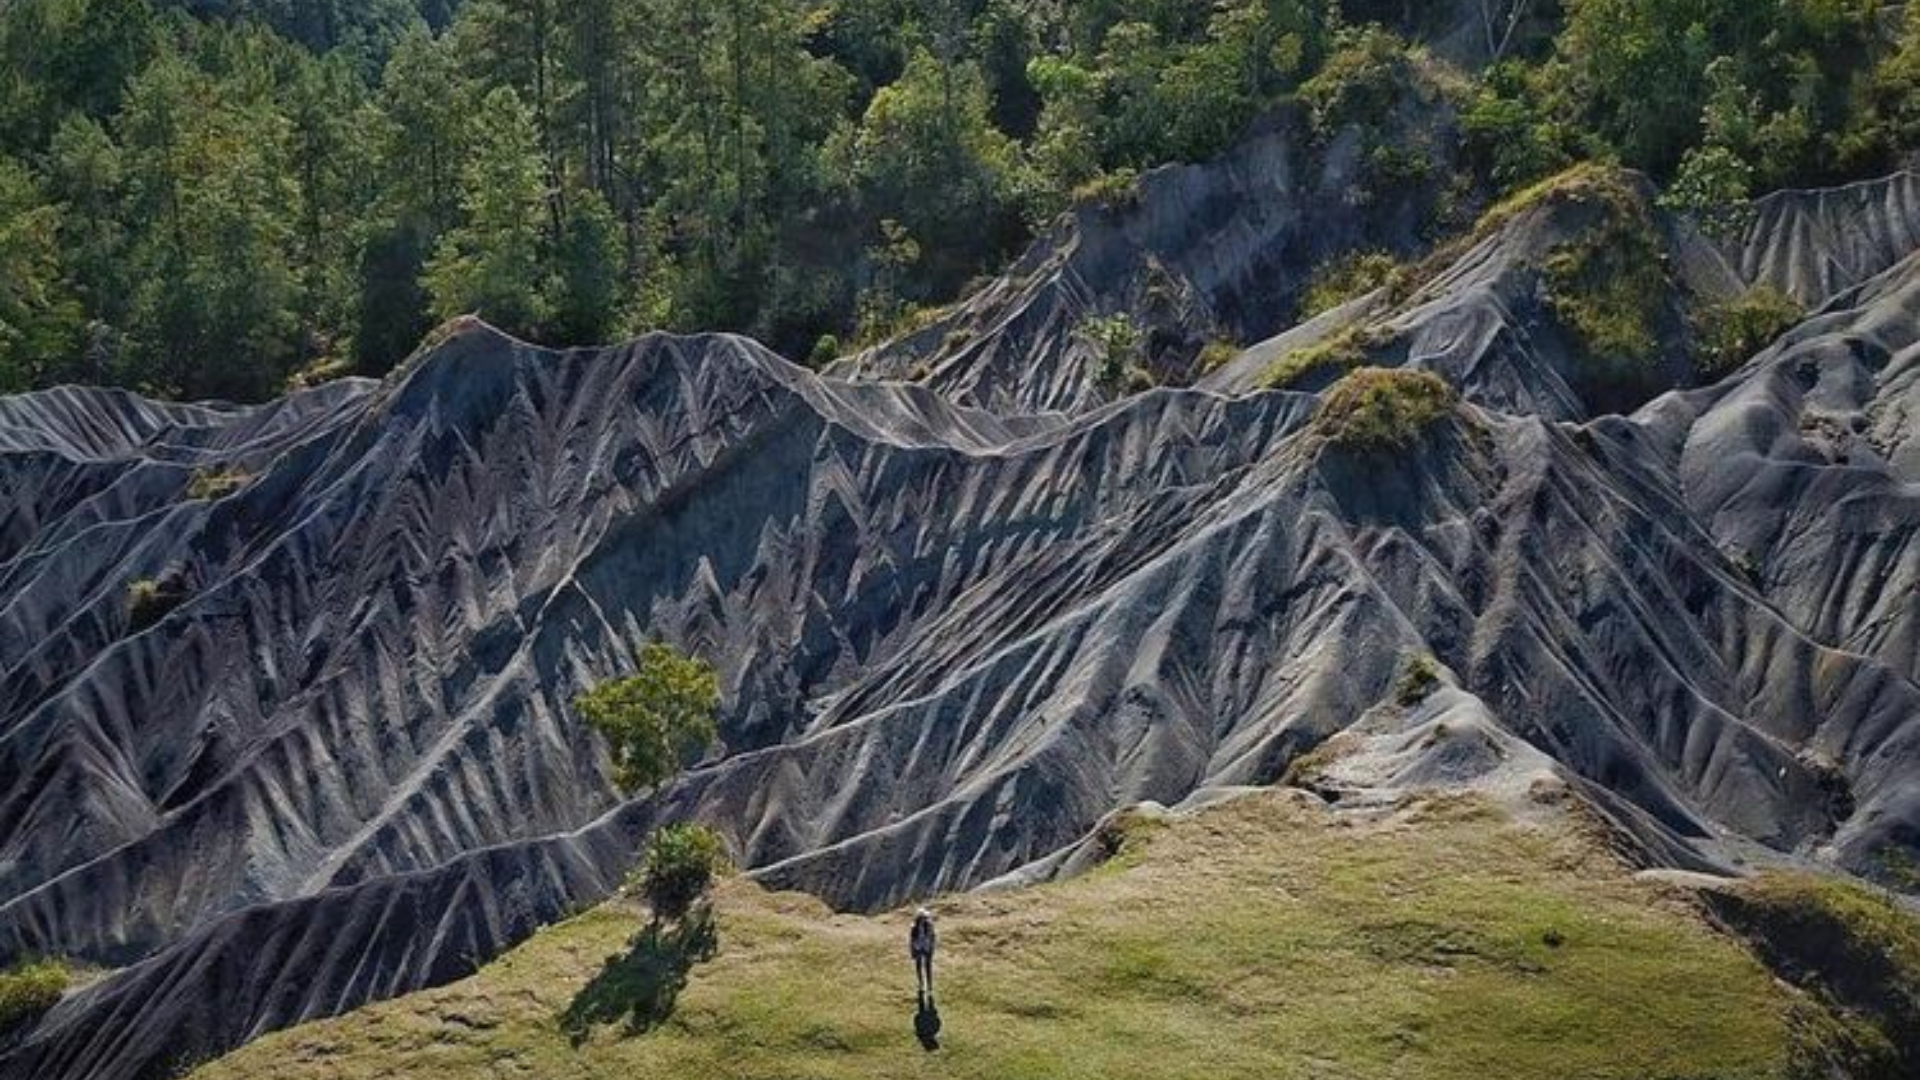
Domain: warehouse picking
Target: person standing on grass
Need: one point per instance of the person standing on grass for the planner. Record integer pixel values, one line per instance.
(920, 942)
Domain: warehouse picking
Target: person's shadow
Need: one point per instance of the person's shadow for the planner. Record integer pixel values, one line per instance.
(926, 1023)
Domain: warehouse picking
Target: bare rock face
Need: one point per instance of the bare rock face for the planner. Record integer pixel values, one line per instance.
(1814, 245)
(284, 691)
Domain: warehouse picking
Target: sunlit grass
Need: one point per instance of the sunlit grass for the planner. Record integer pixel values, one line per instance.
(1263, 938)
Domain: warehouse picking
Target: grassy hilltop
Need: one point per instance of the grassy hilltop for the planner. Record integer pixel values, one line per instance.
(1262, 937)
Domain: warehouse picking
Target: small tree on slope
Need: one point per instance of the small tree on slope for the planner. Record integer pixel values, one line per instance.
(657, 720)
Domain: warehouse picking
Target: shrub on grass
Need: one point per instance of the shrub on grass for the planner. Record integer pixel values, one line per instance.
(680, 864)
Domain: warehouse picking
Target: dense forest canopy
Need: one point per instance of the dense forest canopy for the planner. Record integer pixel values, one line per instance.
(225, 198)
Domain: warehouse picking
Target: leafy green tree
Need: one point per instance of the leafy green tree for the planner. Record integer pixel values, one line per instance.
(491, 263)
(1005, 42)
(39, 316)
(1713, 185)
(64, 56)
(393, 312)
(1884, 118)
(1635, 74)
(419, 133)
(1508, 136)
(927, 156)
(515, 44)
(882, 308)
(656, 720)
(1116, 344)
(1066, 147)
(331, 161)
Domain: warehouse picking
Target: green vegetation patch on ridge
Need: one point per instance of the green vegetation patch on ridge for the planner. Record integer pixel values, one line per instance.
(1384, 409)
(1609, 288)
(1263, 937)
(1349, 278)
(1730, 333)
(1327, 359)
(30, 988)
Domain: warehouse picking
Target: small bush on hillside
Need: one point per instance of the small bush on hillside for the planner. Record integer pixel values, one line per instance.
(1364, 84)
(680, 864)
(1348, 278)
(1360, 84)
(1418, 682)
(1215, 355)
(29, 989)
(1375, 409)
(1395, 168)
(1111, 190)
(1116, 343)
(1327, 359)
(825, 350)
(1899, 868)
(1712, 187)
(321, 371)
(150, 599)
(1507, 134)
(216, 483)
(1730, 333)
(1585, 182)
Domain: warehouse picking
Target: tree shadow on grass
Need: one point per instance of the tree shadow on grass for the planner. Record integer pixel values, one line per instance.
(642, 984)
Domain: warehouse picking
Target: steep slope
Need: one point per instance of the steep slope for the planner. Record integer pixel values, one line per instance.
(343, 766)
(1813, 245)
(1526, 314)
(1503, 311)
(1193, 255)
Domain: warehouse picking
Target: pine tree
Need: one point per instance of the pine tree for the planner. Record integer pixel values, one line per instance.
(490, 264)
(212, 191)
(586, 287)
(40, 317)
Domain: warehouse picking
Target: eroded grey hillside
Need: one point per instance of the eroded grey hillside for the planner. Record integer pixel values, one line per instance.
(956, 624)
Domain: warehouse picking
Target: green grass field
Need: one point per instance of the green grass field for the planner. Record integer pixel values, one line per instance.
(1265, 937)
